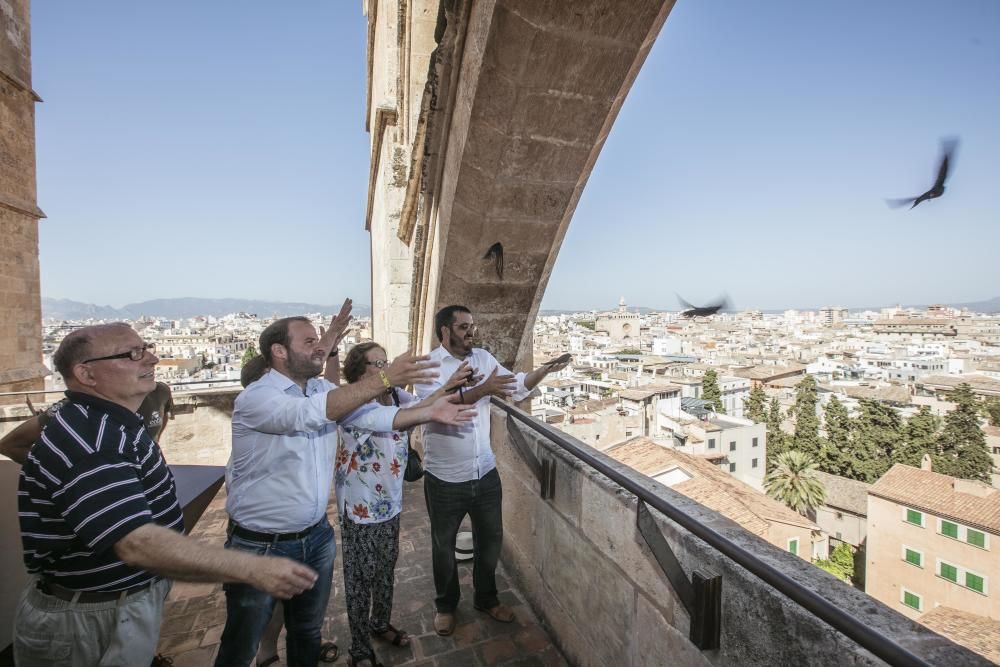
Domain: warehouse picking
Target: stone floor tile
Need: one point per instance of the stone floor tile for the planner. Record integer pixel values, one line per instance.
(195, 613)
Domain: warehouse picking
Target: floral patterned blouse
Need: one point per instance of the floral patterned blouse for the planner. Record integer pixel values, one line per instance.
(368, 475)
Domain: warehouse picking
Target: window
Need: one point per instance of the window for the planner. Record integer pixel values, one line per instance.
(975, 582)
(913, 557)
(753, 464)
(732, 445)
(912, 600)
(975, 538)
(711, 443)
(793, 546)
(914, 517)
(839, 536)
(949, 529)
(947, 571)
(732, 467)
(755, 444)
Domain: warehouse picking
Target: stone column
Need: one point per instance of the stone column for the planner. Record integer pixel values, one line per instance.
(21, 366)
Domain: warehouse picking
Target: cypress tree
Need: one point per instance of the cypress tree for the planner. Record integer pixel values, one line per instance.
(710, 390)
(961, 447)
(756, 405)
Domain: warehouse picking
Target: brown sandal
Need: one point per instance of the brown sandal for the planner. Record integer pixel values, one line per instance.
(399, 637)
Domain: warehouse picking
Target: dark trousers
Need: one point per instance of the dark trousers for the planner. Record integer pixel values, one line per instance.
(447, 505)
(370, 551)
(249, 610)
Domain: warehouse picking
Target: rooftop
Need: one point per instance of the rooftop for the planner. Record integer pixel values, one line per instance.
(710, 486)
(846, 494)
(970, 502)
(978, 633)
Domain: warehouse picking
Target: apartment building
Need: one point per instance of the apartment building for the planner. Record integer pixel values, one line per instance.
(932, 541)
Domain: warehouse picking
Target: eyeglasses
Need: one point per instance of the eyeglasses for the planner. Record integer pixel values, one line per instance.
(135, 354)
(378, 363)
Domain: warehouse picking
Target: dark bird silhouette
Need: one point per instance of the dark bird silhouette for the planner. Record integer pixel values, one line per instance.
(496, 254)
(948, 147)
(701, 311)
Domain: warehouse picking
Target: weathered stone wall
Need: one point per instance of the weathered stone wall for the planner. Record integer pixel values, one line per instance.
(20, 300)
(199, 434)
(582, 564)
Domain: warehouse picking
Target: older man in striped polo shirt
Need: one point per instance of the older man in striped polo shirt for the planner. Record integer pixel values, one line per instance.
(100, 521)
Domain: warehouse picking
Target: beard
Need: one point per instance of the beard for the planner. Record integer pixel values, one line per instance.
(303, 366)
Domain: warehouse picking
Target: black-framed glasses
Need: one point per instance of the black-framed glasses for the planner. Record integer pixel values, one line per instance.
(135, 354)
(378, 363)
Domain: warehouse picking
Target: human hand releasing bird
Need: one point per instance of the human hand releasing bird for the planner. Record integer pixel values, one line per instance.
(948, 148)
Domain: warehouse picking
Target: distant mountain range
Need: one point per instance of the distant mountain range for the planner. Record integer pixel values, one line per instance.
(989, 306)
(64, 309)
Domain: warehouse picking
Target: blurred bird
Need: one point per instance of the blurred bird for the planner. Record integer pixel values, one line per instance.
(496, 254)
(948, 147)
(702, 311)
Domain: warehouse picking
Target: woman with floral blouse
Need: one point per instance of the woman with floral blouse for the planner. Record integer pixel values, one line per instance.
(369, 482)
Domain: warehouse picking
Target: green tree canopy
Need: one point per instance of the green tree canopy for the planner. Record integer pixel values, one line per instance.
(776, 438)
(710, 390)
(920, 437)
(992, 410)
(755, 407)
(249, 354)
(837, 446)
(840, 564)
(961, 447)
(794, 481)
(877, 433)
(806, 438)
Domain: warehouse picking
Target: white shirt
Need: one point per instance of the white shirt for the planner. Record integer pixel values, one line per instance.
(279, 474)
(463, 453)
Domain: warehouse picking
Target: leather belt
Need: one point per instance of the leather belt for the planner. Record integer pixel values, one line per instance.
(88, 597)
(247, 534)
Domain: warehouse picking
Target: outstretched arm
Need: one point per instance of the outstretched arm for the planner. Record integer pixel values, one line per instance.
(16, 444)
(166, 552)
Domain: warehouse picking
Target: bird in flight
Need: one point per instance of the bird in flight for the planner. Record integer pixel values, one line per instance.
(948, 147)
(495, 253)
(701, 311)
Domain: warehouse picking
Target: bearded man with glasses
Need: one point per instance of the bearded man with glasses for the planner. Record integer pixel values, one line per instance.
(100, 521)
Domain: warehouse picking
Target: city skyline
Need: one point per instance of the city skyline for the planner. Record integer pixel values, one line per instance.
(733, 166)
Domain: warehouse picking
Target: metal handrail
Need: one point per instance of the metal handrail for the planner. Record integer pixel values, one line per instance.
(852, 627)
(35, 392)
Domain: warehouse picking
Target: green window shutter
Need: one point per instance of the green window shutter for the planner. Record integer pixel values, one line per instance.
(911, 600)
(975, 538)
(914, 557)
(793, 547)
(974, 581)
(914, 517)
(949, 529)
(949, 572)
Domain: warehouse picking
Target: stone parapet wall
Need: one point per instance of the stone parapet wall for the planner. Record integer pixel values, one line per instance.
(581, 562)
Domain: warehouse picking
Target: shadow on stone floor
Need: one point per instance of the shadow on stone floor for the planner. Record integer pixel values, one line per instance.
(195, 613)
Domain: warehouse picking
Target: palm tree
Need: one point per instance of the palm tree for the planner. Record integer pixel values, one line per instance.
(793, 481)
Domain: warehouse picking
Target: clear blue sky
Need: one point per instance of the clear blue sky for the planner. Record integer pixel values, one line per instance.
(217, 149)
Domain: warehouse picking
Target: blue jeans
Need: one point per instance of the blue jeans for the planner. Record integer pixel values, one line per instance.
(248, 610)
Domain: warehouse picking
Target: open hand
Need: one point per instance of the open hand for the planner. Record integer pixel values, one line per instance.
(409, 368)
(462, 377)
(499, 385)
(447, 410)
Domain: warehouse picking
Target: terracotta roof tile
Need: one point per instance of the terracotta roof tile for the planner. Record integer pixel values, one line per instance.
(976, 633)
(972, 503)
(710, 486)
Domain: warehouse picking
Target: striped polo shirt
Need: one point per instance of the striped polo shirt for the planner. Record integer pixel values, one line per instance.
(94, 476)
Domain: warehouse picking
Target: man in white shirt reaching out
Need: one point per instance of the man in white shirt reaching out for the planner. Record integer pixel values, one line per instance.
(461, 476)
